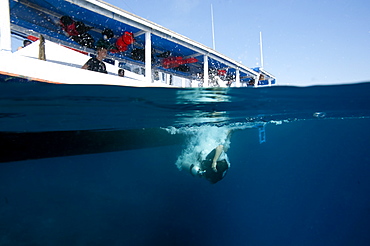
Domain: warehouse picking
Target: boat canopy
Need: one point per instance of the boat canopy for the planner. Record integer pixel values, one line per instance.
(97, 22)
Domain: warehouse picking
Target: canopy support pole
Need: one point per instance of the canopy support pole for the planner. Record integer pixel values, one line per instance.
(5, 35)
(261, 50)
(213, 29)
(148, 57)
(205, 71)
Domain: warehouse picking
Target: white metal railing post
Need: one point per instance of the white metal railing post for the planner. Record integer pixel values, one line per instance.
(257, 79)
(148, 57)
(237, 78)
(167, 78)
(205, 71)
(5, 36)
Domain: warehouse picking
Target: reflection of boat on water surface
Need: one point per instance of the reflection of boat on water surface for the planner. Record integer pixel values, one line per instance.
(43, 120)
(201, 97)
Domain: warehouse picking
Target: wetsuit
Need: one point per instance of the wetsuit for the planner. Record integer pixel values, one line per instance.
(222, 167)
(95, 65)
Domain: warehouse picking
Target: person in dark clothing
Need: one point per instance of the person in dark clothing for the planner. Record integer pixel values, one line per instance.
(205, 154)
(121, 72)
(96, 63)
(25, 43)
(214, 167)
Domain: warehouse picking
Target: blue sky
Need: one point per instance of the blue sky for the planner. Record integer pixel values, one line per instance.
(304, 42)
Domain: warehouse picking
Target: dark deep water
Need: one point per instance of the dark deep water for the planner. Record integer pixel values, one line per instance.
(308, 184)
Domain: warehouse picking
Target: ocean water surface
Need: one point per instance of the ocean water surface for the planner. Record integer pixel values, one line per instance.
(96, 165)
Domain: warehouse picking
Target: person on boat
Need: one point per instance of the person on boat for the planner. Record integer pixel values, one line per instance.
(96, 63)
(121, 72)
(26, 42)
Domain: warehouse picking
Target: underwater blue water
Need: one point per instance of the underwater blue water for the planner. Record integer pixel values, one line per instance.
(308, 184)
